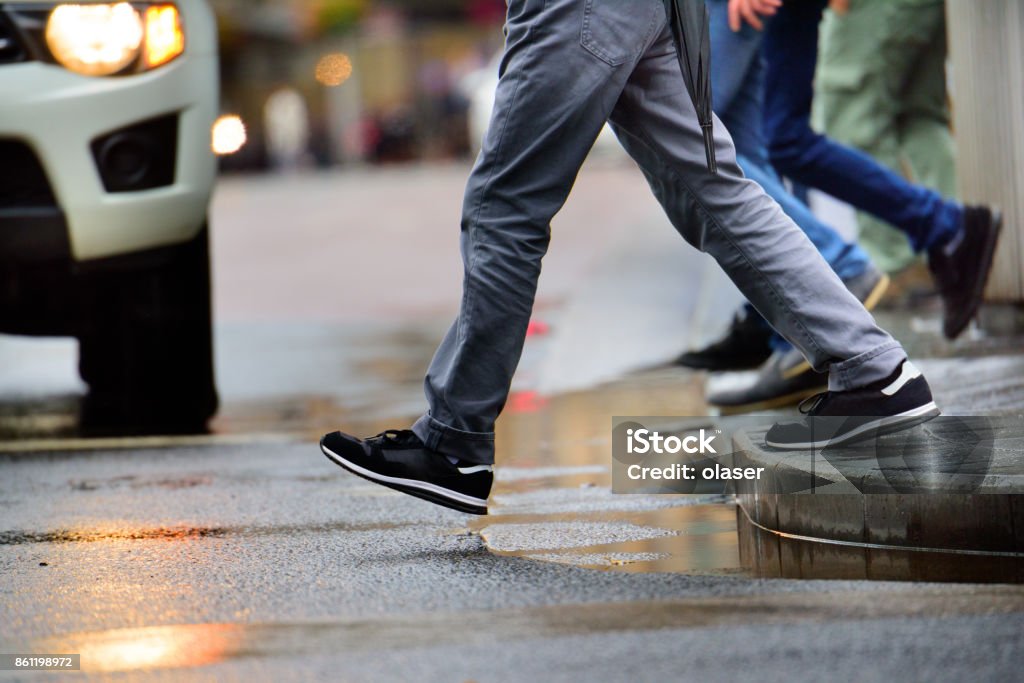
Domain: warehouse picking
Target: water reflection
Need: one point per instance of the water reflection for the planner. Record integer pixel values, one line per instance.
(552, 499)
(160, 647)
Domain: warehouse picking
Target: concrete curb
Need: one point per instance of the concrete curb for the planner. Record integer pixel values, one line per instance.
(839, 532)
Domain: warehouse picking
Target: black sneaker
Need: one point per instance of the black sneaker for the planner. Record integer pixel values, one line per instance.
(899, 402)
(744, 346)
(961, 268)
(785, 380)
(399, 460)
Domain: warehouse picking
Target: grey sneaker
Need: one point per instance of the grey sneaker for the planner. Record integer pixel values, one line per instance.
(785, 380)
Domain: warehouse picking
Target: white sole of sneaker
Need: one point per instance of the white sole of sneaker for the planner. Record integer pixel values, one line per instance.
(883, 425)
(421, 489)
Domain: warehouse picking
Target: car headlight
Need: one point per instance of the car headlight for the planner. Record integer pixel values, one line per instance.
(107, 39)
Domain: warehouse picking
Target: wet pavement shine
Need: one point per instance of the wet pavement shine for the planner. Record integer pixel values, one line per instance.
(266, 562)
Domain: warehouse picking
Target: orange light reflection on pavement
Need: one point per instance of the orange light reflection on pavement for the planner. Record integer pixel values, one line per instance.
(155, 647)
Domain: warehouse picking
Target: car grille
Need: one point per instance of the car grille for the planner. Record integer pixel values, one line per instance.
(23, 182)
(11, 49)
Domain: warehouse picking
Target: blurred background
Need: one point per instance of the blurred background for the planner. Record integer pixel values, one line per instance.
(420, 64)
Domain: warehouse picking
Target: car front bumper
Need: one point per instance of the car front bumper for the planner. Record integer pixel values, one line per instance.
(59, 115)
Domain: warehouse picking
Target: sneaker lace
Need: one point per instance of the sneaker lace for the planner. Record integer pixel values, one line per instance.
(393, 437)
(812, 403)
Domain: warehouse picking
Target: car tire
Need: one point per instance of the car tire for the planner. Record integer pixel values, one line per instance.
(146, 348)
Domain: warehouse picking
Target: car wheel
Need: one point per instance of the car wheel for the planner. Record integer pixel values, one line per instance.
(146, 347)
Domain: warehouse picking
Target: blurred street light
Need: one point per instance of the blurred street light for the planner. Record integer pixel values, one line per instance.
(333, 69)
(229, 135)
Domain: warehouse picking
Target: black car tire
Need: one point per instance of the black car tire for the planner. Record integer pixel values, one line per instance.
(146, 344)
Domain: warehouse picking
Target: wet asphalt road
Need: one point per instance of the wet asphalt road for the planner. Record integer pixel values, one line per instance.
(248, 556)
(265, 562)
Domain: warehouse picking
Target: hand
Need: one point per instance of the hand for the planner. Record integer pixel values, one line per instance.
(751, 11)
(840, 7)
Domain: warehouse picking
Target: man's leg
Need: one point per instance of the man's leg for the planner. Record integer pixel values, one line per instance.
(791, 45)
(786, 378)
(565, 65)
(737, 79)
(771, 261)
(731, 218)
(737, 83)
(926, 136)
(854, 105)
(553, 98)
(960, 241)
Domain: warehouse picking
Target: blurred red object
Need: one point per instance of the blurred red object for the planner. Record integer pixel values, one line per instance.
(525, 402)
(537, 328)
(486, 12)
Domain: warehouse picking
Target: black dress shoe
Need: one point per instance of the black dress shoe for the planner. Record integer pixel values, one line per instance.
(399, 460)
(746, 345)
(899, 402)
(785, 380)
(961, 268)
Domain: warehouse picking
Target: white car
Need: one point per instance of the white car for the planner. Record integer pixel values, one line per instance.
(106, 174)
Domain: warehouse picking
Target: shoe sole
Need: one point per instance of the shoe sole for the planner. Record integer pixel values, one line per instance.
(413, 487)
(771, 403)
(868, 430)
(987, 257)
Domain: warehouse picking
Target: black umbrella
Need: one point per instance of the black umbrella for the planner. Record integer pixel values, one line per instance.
(689, 22)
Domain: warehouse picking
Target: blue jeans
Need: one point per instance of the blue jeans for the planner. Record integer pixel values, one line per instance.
(737, 85)
(798, 152)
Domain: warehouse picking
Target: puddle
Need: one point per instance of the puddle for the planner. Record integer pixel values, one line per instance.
(688, 538)
(552, 499)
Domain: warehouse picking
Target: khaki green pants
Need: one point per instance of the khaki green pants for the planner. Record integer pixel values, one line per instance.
(881, 87)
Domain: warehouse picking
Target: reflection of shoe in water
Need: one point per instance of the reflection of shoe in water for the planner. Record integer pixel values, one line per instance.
(899, 402)
(399, 460)
(786, 379)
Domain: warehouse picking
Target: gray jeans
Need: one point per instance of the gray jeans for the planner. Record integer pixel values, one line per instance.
(570, 66)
